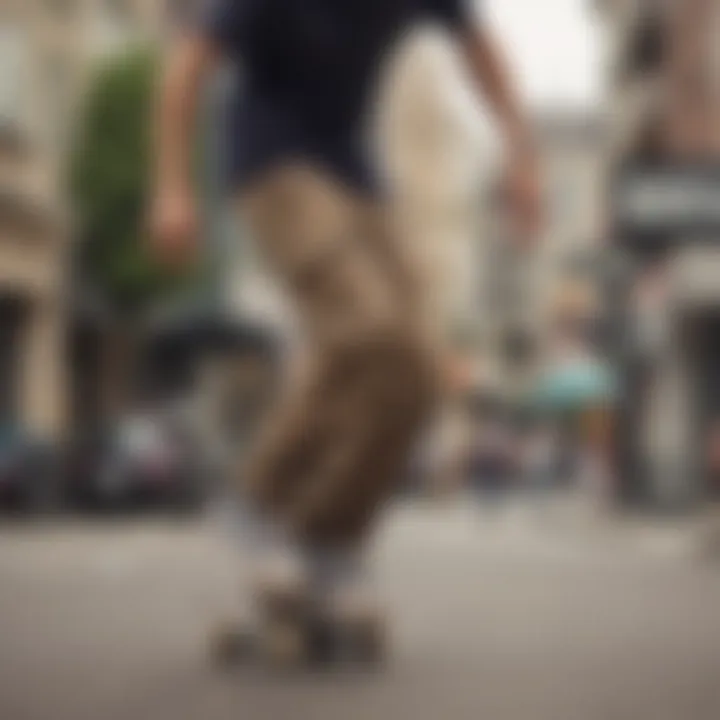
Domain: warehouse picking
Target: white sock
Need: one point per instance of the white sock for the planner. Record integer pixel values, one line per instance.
(339, 576)
(265, 553)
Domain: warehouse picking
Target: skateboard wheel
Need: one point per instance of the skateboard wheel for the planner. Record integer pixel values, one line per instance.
(367, 642)
(232, 645)
(348, 642)
(283, 645)
(283, 628)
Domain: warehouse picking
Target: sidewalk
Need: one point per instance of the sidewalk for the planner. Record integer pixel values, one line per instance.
(708, 534)
(562, 525)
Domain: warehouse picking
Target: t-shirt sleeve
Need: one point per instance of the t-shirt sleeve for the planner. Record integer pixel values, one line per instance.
(455, 14)
(222, 21)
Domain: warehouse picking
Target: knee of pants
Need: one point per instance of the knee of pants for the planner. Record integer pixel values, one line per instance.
(396, 363)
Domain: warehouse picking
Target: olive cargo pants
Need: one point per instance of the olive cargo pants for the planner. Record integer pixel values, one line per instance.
(335, 447)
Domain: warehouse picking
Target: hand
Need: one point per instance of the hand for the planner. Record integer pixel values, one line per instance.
(525, 197)
(174, 229)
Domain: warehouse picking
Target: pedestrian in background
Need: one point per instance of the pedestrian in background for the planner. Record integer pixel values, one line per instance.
(540, 458)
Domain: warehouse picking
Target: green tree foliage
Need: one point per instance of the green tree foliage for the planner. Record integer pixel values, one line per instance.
(110, 183)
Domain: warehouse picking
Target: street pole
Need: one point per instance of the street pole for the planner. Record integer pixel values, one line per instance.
(213, 286)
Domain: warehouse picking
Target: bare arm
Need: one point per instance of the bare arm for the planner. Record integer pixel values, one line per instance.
(185, 69)
(174, 217)
(493, 81)
(490, 71)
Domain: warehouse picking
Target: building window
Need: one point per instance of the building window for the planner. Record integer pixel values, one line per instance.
(13, 64)
(582, 263)
(61, 8)
(12, 319)
(116, 26)
(566, 201)
(506, 289)
(120, 11)
(180, 11)
(59, 98)
(519, 348)
(647, 47)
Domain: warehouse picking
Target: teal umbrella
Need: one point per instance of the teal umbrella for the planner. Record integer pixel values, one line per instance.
(575, 386)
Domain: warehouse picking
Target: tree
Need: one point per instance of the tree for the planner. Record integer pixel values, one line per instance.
(110, 181)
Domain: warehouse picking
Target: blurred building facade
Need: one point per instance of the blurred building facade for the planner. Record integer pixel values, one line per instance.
(33, 233)
(666, 107)
(48, 51)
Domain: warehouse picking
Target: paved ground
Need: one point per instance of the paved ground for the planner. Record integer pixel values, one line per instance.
(494, 619)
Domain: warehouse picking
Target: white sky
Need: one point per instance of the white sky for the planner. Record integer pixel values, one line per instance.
(555, 47)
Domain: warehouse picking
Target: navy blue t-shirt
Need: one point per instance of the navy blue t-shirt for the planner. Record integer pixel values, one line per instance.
(308, 70)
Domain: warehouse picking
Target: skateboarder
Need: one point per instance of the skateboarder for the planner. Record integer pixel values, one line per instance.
(299, 164)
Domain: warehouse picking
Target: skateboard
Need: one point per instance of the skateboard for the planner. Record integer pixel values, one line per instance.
(294, 635)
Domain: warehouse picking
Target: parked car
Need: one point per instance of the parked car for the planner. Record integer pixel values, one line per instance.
(84, 456)
(142, 462)
(28, 472)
